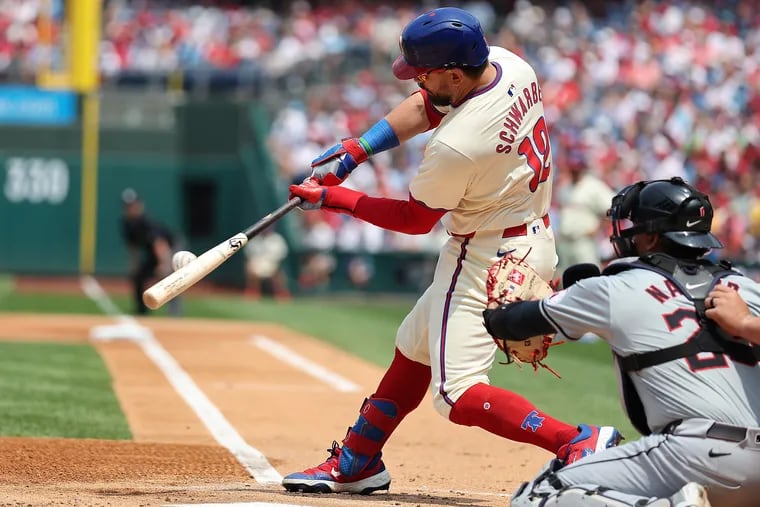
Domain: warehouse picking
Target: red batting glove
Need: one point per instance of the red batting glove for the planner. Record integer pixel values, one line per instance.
(311, 193)
(338, 199)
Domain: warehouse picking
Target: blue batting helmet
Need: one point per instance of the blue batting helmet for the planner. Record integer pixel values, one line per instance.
(442, 38)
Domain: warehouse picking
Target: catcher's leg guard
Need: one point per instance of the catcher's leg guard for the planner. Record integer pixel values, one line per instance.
(584, 495)
(361, 448)
(547, 490)
(691, 495)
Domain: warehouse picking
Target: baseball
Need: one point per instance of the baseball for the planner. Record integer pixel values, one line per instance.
(182, 258)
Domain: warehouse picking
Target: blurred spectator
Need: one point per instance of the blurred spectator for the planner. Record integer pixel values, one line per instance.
(669, 86)
(360, 271)
(584, 201)
(150, 246)
(263, 263)
(317, 262)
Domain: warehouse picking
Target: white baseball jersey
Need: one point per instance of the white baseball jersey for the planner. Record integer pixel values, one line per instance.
(488, 164)
(489, 160)
(586, 204)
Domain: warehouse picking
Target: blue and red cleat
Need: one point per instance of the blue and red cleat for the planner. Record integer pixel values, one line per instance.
(590, 440)
(329, 478)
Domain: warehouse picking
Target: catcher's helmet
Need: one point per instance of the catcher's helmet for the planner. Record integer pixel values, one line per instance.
(671, 207)
(442, 38)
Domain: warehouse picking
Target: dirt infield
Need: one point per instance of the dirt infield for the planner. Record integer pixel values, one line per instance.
(287, 413)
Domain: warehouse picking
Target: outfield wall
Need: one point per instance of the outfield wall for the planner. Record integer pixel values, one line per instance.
(201, 167)
(192, 177)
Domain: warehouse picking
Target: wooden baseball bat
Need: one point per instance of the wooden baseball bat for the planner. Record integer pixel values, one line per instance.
(179, 281)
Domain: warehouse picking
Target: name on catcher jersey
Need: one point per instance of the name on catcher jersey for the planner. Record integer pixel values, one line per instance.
(640, 311)
(489, 162)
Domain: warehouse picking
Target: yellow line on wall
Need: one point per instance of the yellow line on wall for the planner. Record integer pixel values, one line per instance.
(89, 207)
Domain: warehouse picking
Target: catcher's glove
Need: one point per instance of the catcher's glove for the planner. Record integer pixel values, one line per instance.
(512, 279)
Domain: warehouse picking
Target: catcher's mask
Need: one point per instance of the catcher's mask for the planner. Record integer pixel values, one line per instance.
(672, 208)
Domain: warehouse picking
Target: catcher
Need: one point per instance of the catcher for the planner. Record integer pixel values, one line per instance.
(689, 386)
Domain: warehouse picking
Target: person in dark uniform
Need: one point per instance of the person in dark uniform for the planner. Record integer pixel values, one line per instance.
(150, 246)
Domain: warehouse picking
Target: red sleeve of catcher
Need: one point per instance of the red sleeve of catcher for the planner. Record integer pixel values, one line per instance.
(409, 217)
(434, 116)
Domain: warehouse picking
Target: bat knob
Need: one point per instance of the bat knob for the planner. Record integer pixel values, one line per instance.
(150, 300)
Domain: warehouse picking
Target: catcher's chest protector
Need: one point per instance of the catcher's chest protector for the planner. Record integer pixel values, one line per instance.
(695, 279)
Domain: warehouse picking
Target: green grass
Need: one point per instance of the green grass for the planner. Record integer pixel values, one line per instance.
(6, 286)
(46, 303)
(364, 328)
(57, 390)
(367, 328)
(586, 393)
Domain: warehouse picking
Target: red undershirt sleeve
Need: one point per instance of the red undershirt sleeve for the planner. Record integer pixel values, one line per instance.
(409, 217)
(434, 116)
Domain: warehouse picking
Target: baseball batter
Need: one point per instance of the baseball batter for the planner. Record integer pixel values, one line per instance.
(486, 174)
(691, 388)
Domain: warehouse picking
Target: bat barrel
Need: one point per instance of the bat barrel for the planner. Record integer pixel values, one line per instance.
(178, 282)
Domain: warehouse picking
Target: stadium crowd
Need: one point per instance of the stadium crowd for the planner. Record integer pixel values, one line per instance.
(639, 90)
(650, 90)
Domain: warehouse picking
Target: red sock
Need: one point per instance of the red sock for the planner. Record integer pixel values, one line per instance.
(511, 416)
(405, 382)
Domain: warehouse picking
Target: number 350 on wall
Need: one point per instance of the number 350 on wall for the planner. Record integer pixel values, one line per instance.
(36, 180)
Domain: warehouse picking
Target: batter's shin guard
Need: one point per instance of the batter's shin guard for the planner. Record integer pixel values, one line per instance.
(378, 418)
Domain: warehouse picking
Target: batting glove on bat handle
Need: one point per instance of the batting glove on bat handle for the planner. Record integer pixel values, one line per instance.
(337, 199)
(333, 166)
(311, 193)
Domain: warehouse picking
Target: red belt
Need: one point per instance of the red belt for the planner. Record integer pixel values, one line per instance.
(509, 232)
(522, 229)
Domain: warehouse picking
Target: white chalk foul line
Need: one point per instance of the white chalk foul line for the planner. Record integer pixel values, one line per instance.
(247, 504)
(225, 434)
(292, 358)
(95, 292)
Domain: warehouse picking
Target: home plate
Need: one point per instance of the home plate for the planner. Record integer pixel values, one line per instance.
(121, 331)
